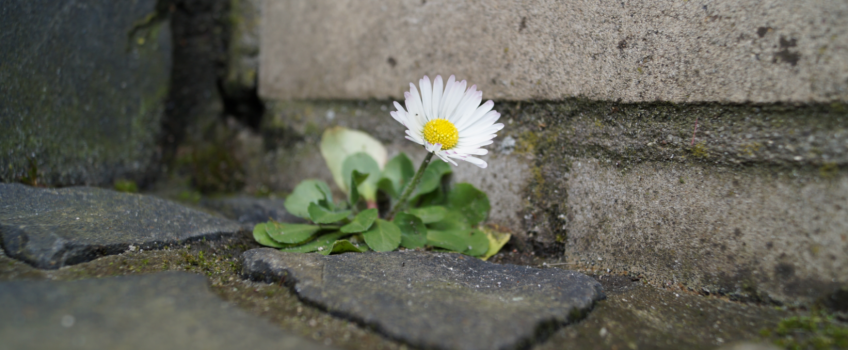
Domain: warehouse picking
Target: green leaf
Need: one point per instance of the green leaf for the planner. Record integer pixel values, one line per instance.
(412, 230)
(386, 186)
(364, 164)
(431, 180)
(466, 241)
(450, 239)
(308, 191)
(261, 237)
(397, 173)
(470, 202)
(429, 214)
(453, 221)
(384, 236)
(342, 246)
(321, 243)
(320, 215)
(361, 222)
(338, 143)
(496, 241)
(356, 178)
(290, 233)
(478, 243)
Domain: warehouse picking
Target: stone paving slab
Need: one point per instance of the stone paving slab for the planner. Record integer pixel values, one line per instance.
(638, 316)
(171, 310)
(433, 300)
(51, 228)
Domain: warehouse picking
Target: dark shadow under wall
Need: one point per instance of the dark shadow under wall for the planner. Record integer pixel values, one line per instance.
(202, 117)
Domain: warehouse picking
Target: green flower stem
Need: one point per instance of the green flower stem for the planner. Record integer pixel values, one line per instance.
(411, 186)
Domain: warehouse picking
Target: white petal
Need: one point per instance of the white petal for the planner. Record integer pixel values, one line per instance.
(491, 129)
(414, 140)
(433, 148)
(438, 86)
(426, 97)
(443, 156)
(472, 151)
(473, 142)
(413, 107)
(478, 113)
(445, 96)
(486, 121)
(478, 145)
(398, 106)
(399, 116)
(454, 92)
(411, 134)
(476, 161)
(469, 102)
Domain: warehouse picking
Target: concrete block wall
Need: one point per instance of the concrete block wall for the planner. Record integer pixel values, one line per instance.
(694, 144)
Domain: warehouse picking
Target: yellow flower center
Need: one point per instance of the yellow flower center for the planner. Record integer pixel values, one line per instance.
(441, 131)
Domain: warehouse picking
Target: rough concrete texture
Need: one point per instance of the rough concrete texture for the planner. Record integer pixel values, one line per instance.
(753, 206)
(431, 300)
(170, 310)
(637, 316)
(53, 228)
(83, 90)
(772, 238)
(762, 184)
(681, 51)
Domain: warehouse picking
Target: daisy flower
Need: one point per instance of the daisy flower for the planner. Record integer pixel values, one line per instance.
(449, 120)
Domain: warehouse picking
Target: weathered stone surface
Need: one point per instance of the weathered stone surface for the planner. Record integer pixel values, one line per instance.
(749, 346)
(84, 85)
(431, 300)
(544, 49)
(171, 310)
(249, 210)
(778, 237)
(51, 228)
(638, 316)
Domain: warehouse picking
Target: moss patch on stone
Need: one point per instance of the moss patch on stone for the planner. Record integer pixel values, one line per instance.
(816, 330)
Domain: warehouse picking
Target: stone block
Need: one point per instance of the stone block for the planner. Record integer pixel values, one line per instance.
(169, 310)
(690, 51)
(83, 90)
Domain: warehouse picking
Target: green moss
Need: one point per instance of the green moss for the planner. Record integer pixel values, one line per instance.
(814, 331)
(213, 168)
(128, 186)
(527, 142)
(829, 170)
(700, 150)
(189, 196)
